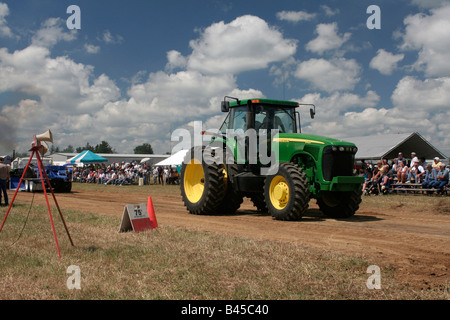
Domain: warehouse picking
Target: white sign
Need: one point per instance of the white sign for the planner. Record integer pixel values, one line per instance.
(135, 218)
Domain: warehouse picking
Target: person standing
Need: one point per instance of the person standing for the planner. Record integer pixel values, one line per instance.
(4, 178)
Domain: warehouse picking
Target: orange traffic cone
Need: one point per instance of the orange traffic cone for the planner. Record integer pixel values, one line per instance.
(151, 213)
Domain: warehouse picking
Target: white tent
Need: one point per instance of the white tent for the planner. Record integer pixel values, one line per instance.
(174, 160)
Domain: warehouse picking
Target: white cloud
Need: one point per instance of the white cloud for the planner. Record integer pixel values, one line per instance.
(59, 82)
(333, 75)
(428, 95)
(175, 60)
(386, 62)
(295, 16)
(109, 38)
(367, 122)
(329, 12)
(327, 38)
(429, 35)
(52, 31)
(219, 48)
(90, 48)
(329, 107)
(428, 4)
(63, 95)
(5, 31)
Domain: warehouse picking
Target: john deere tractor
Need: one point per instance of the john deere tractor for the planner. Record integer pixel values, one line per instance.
(260, 153)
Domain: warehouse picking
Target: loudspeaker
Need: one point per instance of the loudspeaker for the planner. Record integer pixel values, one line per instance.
(44, 148)
(46, 136)
(39, 141)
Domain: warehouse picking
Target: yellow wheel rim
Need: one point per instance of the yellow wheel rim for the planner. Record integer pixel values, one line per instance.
(279, 192)
(194, 181)
(225, 177)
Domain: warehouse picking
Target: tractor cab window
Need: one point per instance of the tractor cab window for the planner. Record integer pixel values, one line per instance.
(225, 125)
(239, 115)
(281, 119)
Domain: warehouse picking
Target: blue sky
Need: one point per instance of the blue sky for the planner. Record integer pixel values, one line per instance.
(137, 70)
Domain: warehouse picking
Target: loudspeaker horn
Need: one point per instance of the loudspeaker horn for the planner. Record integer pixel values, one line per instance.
(46, 136)
(44, 148)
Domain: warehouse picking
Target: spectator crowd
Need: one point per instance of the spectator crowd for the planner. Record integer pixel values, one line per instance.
(433, 176)
(122, 173)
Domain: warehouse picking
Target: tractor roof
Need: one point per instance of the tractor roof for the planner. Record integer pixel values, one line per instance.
(289, 104)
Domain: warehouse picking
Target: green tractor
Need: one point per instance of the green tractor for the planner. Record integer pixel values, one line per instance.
(260, 153)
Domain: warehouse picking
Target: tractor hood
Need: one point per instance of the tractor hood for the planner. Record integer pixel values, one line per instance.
(292, 144)
(310, 139)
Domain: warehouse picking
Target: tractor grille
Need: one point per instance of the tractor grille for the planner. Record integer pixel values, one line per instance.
(338, 161)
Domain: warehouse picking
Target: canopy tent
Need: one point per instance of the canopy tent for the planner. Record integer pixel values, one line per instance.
(389, 145)
(174, 160)
(86, 156)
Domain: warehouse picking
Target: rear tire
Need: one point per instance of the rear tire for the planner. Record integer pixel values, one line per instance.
(232, 199)
(287, 192)
(259, 202)
(202, 185)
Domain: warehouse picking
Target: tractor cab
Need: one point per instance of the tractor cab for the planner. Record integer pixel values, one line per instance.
(262, 114)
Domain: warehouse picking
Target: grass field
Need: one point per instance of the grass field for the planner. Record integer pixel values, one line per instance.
(170, 263)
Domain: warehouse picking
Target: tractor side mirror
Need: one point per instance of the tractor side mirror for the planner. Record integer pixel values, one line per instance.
(312, 112)
(225, 106)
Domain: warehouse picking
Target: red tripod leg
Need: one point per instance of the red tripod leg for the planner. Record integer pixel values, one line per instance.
(17, 190)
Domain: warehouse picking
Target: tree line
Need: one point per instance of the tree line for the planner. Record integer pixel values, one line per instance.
(102, 147)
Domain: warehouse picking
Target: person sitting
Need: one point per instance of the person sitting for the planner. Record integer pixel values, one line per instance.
(416, 172)
(112, 179)
(399, 159)
(436, 163)
(402, 172)
(423, 163)
(441, 179)
(386, 179)
(413, 159)
(367, 178)
(175, 176)
(373, 185)
(91, 177)
(120, 178)
(429, 177)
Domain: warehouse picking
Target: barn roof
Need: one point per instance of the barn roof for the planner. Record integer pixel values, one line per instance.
(389, 145)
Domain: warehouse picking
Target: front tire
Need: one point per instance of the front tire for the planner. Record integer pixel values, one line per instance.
(340, 204)
(287, 193)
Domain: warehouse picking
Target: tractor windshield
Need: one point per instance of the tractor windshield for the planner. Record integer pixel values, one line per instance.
(278, 118)
(265, 117)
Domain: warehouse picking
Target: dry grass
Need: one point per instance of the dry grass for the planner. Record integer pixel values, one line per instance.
(419, 203)
(170, 263)
(176, 264)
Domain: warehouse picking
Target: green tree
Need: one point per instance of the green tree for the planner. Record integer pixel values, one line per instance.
(103, 147)
(69, 149)
(87, 147)
(143, 149)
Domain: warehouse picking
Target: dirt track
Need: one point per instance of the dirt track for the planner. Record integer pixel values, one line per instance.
(416, 245)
